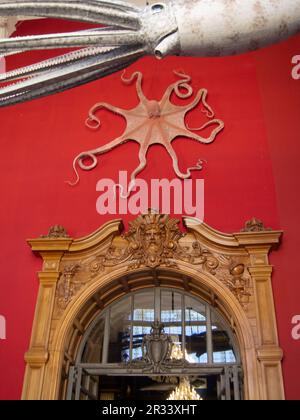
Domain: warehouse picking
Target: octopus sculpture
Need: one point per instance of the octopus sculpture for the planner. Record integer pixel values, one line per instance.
(126, 33)
(152, 122)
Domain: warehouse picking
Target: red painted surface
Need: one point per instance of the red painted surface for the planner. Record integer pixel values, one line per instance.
(281, 104)
(251, 171)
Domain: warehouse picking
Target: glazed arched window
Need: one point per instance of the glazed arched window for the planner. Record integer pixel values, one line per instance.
(117, 334)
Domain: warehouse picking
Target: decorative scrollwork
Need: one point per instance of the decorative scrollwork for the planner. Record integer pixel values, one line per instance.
(153, 240)
(238, 284)
(157, 353)
(67, 288)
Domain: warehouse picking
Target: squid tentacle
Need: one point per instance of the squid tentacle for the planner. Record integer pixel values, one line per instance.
(52, 63)
(72, 75)
(70, 83)
(107, 37)
(128, 39)
(197, 28)
(103, 12)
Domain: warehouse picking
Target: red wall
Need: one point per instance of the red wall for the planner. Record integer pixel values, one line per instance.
(251, 171)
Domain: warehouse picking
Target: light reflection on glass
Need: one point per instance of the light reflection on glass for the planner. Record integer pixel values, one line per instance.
(137, 339)
(195, 331)
(144, 307)
(132, 318)
(222, 346)
(171, 305)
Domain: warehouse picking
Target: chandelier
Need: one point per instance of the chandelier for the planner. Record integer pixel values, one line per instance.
(184, 391)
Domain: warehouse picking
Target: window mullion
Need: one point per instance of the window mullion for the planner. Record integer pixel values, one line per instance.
(209, 342)
(157, 304)
(131, 328)
(106, 337)
(183, 325)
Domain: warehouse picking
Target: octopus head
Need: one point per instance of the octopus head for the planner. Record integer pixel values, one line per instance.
(153, 109)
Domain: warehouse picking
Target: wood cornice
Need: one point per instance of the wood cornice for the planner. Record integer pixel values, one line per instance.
(235, 240)
(106, 231)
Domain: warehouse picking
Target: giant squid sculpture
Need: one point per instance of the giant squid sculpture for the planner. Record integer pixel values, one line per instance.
(126, 33)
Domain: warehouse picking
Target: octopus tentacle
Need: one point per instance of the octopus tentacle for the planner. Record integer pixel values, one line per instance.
(177, 87)
(93, 122)
(143, 162)
(132, 184)
(139, 169)
(165, 136)
(139, 79)
(220, 125)
(183, 84)
(178, 172)
(201, 97)
(92, 154)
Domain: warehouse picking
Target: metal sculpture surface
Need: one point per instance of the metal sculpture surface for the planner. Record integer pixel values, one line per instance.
(152, 122)
(179, 27)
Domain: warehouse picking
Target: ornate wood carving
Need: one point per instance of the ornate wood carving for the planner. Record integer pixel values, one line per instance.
(238, 284)
(56, 232)
(67, 288)
(157, 353)
(153, 240)
(255, 225)
(81, 276)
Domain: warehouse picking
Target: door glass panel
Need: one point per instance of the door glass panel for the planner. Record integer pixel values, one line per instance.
(171, 307)
(119, 332)
(143, 317)
(223, 351)
(92, 352)
(137, 340)
(195, 331)
(131, 319)
(144, 307)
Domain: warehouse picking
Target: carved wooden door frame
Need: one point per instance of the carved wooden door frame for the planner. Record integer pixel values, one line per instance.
(80, 277)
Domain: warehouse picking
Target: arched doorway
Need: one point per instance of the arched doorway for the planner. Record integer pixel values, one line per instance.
(111, 360)
(81, 278)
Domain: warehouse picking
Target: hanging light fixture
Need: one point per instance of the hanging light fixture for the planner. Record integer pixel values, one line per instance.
(184, 391)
